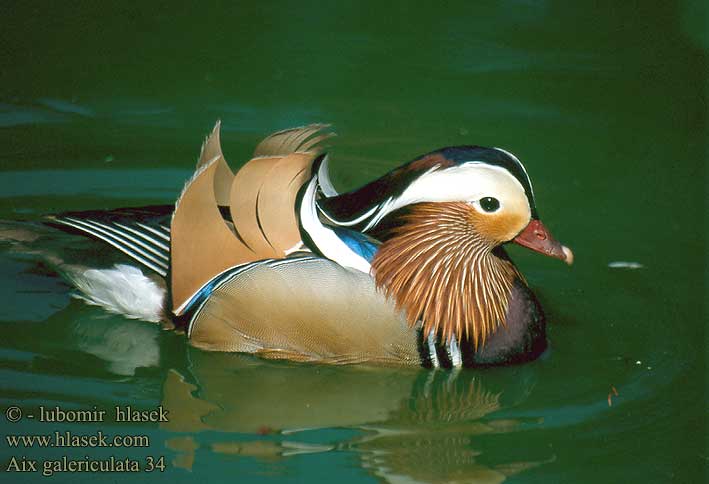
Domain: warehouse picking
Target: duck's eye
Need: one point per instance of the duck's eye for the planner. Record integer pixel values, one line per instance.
(489, 204)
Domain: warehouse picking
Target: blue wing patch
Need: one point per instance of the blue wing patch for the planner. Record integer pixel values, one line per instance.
(358, 242)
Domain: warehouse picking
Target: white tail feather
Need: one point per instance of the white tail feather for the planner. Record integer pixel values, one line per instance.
(123, 289)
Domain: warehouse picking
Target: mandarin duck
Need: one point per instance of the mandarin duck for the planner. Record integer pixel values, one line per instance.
(271, 260)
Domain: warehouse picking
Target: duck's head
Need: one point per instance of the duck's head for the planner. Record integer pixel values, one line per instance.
(442, 219)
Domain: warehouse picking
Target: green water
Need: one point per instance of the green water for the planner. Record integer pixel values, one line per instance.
(106, 106)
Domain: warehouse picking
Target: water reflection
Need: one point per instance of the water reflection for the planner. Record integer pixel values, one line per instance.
(405, 426)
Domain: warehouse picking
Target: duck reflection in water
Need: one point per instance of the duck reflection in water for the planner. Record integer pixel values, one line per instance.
(413, 424)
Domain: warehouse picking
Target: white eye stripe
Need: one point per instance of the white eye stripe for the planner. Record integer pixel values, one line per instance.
(521, 165)
(470, 180)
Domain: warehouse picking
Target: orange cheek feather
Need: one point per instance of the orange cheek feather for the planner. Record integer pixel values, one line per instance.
(498, 227)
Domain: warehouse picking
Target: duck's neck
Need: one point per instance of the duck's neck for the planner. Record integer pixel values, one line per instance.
(442, 273)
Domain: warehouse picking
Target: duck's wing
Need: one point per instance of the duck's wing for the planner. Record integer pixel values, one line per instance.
(223, 220)
(302, 308)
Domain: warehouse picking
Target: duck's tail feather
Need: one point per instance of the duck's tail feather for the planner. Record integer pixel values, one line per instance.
(118, 288)
(141, 234)
(122, 289)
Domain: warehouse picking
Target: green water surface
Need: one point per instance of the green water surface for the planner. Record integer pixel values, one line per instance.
(103, 106)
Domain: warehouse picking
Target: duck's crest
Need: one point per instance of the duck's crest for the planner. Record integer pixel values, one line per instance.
(222, 219)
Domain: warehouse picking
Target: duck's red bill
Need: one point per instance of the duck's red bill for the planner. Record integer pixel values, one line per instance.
(536, 236)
